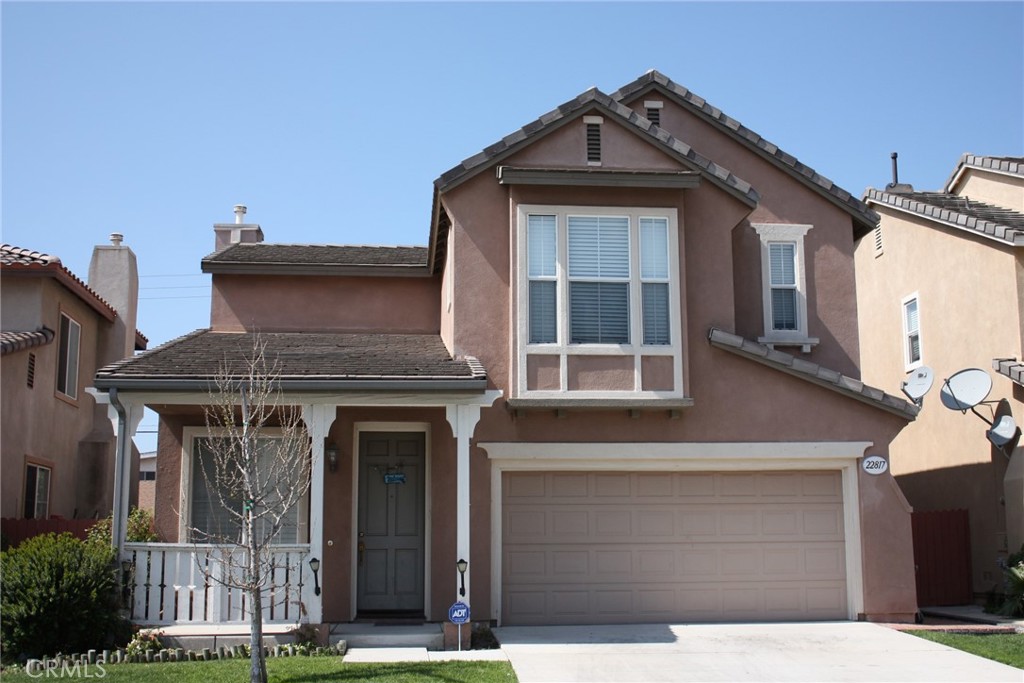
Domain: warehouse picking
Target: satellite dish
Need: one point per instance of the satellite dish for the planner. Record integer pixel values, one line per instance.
(1002, 432)
(966, 389)
(918, 384)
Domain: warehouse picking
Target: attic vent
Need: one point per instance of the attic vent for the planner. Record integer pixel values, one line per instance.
(31, 370)
(878, 240)
(653, 108)
(593, 124)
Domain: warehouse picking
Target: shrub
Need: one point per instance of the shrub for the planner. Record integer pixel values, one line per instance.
(59, 594)
(140, 528)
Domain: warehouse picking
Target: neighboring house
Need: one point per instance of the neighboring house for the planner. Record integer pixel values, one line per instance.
(147, 480)
(939, 284)
(620, 381)
(57, 444)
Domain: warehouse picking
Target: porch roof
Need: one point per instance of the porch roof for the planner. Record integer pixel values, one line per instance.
(305, 361)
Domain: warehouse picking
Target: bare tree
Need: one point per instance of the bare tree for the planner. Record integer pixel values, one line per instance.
(256, 464)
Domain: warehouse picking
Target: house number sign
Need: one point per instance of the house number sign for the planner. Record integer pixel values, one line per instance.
(394, 478)
(875, 464)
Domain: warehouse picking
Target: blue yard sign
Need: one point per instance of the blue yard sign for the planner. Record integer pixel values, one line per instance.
(458, 613)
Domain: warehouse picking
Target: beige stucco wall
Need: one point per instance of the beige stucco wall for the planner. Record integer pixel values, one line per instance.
(991, 188)
(970, 312)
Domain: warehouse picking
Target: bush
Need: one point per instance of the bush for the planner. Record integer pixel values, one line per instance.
(59, 594)
(140, 528)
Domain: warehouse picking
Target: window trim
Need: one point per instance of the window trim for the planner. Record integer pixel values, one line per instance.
(189, 436)
(561, 347)
(63, 351)
(49, 488)
(792, 233)
(908, 362)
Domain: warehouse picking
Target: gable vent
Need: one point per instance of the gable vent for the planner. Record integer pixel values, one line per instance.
(593, 124)
(653, 108)
(31, 370)
(878, 240)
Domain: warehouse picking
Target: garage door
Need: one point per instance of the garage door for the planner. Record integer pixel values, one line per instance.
(621, 547)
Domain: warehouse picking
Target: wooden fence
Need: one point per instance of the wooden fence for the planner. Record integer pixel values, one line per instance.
(942, 555)
(17, 530)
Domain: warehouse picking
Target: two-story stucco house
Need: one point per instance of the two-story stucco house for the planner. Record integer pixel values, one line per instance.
(940, 283)
(620, 381)
(56, 445)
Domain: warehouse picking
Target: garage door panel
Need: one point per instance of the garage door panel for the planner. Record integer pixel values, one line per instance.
(616, 547)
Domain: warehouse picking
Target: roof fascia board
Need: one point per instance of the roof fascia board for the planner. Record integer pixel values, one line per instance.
(681, 180)
(973, 162)
(137, 396)
(1017, 241)
(365, 270)
(205, 386)
(734, 134)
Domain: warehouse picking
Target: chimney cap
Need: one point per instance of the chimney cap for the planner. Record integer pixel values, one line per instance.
(116, 238)
(239, 210)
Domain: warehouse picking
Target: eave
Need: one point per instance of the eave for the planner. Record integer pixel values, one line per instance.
(574, 177)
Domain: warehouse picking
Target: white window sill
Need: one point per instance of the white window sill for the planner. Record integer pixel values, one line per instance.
(805, 343)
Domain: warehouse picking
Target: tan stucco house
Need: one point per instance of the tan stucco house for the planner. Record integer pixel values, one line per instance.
(940, 284)
(56, 445)
(621, 380)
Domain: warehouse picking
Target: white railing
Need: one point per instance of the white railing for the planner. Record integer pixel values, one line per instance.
(177, 583)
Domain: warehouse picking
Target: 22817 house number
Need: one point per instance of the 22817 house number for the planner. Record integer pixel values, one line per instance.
(875, 464)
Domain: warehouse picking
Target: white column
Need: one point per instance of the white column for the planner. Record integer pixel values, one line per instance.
(318, 419)
(463, 419)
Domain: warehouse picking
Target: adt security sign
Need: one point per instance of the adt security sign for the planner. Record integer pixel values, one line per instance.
(458, 613)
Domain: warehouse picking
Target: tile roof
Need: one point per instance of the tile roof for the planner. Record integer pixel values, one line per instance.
(263, 257)
(994, 222)
(15, 260)
(574, 108)
(1010, 367)
(1008, 165)
(19, 341)
(770, 151)
(812, 372)
(312, 360)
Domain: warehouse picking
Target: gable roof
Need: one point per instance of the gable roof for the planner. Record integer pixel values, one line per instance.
(962, 213)
(19, 261)
(304, 362)
(1013, 166)
(316, 259)
(654, 80)
(812, 372)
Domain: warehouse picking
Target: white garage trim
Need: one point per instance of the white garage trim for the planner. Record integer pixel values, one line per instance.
(708, 457)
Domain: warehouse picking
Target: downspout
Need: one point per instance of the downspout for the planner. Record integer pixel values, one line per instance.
(116, 535)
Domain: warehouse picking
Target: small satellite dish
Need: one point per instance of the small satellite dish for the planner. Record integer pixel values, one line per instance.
(1002, 431)
(966, 389)
(918, 383)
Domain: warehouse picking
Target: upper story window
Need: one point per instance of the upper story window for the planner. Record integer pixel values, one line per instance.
(911, 333)
(599, 282)
(67, 358)
(784, 285)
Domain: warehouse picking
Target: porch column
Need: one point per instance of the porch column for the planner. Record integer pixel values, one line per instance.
(463, 419)
(125, 417)
(318, 419)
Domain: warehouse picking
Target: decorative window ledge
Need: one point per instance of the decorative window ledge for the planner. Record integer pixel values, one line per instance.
(805, 343)
(574, 404)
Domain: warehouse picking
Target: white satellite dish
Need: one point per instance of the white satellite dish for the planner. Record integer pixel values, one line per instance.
(1002, 432)
(966, 389)
(918, 383)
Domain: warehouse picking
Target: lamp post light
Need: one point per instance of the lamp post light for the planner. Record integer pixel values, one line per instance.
(331, 451)
(462, 566)
(314, 564)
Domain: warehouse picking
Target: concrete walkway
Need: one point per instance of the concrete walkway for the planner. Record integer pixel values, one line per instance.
(653, 653)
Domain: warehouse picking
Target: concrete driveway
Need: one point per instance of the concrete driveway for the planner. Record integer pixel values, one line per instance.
(652, 653)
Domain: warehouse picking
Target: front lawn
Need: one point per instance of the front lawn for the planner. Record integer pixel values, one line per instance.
(299, 670)
(1007, 648)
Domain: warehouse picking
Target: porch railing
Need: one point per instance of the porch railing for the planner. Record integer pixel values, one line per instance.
(178, 583)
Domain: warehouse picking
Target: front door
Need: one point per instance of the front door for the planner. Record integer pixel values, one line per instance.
(390, 542)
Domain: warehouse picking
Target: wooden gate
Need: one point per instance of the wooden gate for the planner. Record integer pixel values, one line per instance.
(942, 555)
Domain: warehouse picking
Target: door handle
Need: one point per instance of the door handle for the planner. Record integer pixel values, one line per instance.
(361, 548)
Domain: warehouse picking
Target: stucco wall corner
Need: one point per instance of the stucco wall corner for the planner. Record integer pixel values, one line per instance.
(890, 592)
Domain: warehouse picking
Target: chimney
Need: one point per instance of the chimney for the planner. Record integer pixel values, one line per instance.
(114, 275)
(896, 186)
(239, 231)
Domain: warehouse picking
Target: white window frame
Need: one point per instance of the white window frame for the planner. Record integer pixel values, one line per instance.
(189, 436)
(561, 347)
(35, 494)
(908, 362)
(787, 233)
(64, 353)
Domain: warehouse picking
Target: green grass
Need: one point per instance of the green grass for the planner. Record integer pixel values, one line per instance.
(300, 670)
(1007, 648)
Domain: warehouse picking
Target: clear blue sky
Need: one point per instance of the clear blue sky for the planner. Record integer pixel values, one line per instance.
(330, 121)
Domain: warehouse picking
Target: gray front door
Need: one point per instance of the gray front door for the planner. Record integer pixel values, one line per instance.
(391, 509)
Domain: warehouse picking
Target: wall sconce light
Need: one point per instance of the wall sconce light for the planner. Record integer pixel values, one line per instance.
(331, 451)
(462, 566)
(314, 564)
